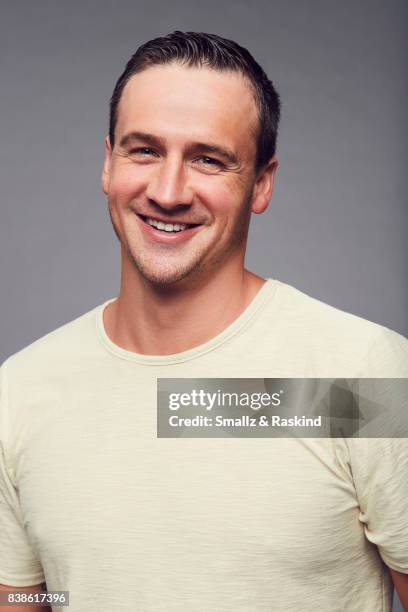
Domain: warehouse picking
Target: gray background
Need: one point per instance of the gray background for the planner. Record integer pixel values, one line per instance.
(336, 227)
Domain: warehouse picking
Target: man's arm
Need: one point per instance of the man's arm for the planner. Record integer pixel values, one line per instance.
(401, 586)
(35, 588)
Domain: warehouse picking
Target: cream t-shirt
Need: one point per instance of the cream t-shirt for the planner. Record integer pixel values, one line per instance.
(92, 502)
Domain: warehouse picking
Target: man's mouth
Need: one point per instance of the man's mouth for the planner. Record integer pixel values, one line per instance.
(165, 226)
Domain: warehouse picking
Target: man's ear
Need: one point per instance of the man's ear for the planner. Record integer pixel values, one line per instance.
(106, 166)
(263, 186)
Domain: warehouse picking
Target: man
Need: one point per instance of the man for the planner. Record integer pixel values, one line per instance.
(91, 500)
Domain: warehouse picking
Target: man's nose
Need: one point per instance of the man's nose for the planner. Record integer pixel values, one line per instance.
(168, 185)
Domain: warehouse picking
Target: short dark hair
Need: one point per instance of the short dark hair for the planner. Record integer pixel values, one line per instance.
(200, 49)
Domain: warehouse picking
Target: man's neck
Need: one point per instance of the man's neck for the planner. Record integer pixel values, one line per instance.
(146, 321)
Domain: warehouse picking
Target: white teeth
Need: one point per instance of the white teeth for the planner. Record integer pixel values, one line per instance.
(167, 227)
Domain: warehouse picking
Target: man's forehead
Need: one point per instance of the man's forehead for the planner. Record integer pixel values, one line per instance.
(200, 99)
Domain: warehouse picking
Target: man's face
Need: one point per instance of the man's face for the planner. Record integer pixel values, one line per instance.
(184, 157)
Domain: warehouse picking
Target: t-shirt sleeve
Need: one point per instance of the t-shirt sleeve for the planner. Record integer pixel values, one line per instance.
(380, 472)
(19, 566)
(380, 465)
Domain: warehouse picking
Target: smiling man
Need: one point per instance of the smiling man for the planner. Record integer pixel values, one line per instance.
(182, 178)
(91, 500)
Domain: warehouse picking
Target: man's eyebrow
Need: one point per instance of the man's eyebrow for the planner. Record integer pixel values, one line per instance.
(195, 147)
(131, 137)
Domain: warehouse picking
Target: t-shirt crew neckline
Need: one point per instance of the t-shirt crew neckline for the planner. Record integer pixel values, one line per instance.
(261, 298)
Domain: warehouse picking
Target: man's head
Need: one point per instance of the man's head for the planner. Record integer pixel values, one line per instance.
(196, 50)
(190, 142)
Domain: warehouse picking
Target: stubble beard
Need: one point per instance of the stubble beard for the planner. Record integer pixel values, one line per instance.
(197, 264)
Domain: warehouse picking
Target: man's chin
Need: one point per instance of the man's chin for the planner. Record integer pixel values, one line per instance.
(167, 277)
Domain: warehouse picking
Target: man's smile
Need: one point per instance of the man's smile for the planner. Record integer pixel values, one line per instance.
(166, 232)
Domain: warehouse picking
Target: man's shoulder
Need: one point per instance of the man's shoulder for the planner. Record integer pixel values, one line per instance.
(298, 305)
(345, 338)
(65, 344)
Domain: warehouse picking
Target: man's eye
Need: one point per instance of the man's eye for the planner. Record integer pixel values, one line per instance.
(209, 161)
(143, 151)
